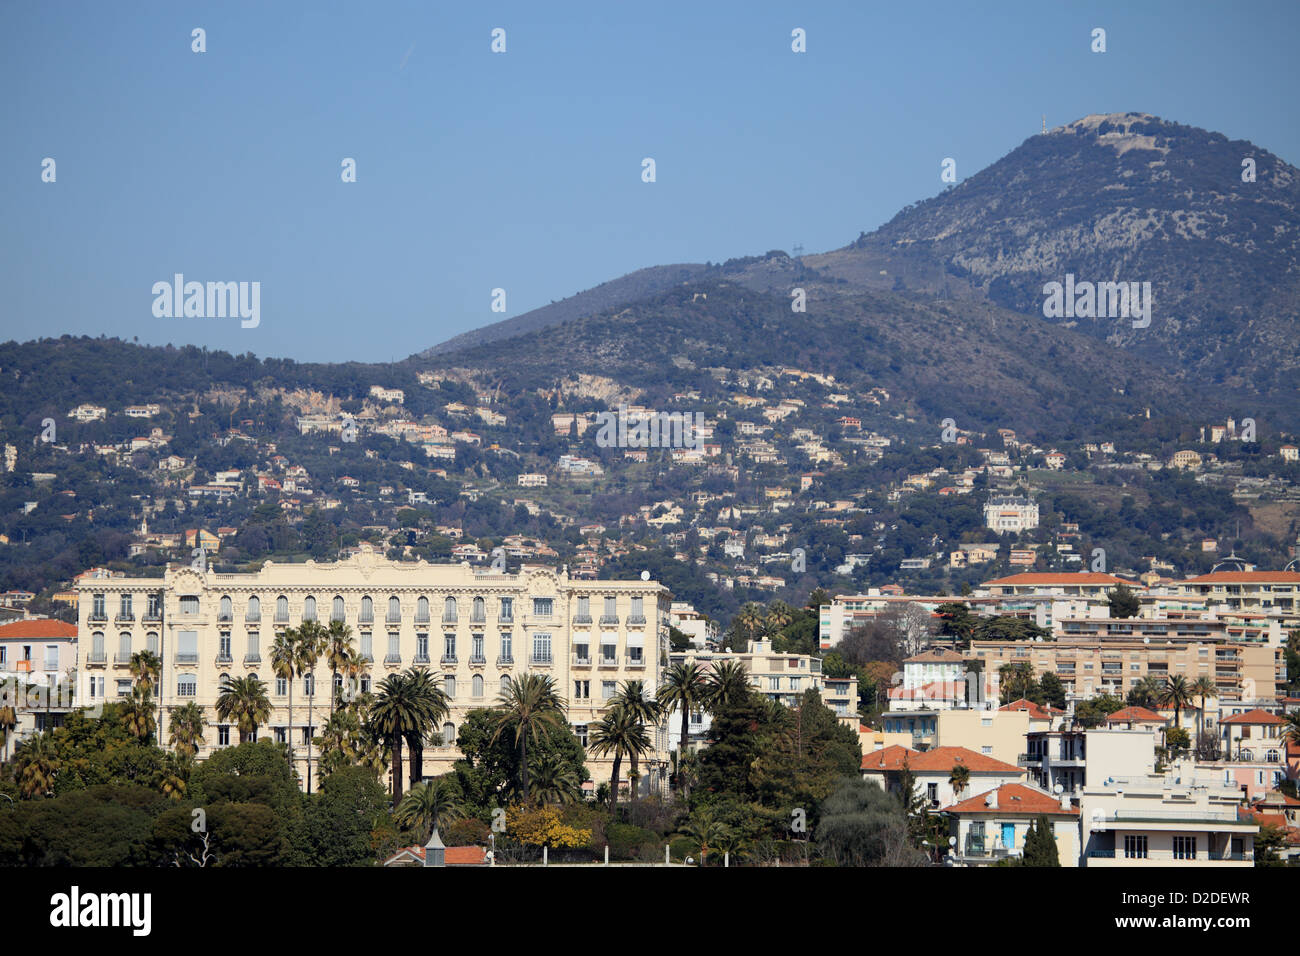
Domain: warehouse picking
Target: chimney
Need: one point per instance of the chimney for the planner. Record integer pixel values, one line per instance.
(991, 801)
(1065, 801)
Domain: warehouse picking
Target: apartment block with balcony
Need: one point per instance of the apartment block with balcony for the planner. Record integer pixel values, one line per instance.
(1172, 820)
(994, 825)
(472, 628)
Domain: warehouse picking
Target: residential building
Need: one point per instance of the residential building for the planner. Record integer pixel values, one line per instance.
(931, 770)
(993, 825)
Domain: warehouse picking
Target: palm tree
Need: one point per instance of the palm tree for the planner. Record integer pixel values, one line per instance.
(728, 684)
(1178, 692)
(8, 721)
(959, 779)
(528, 707)
(706, 831)
(187, 725)
(621, 733)
(686, 686)
(284, 661)
(427, 806)
(1146, 692)
(1292, 732)
(406, 710)
(146, 671)
(747, 623)
(35, 766)
(137, 714)
(554, 780)
(778, 618)
(339, 651)
(1203, 688)
(311, 644)
(434, 703)
(243, 700)
(643, 709)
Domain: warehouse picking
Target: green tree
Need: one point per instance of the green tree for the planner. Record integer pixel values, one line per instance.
(527, 707)
(643, 708)
(243, 701)
(959, 779)
(1040, 844)
(1178, 693)
(862, 825)
(429, 806)
(684, 686)
(621, 733)
(1123, 602)
(284, 662)
(311, 644)
(187, 725)
(339, 652)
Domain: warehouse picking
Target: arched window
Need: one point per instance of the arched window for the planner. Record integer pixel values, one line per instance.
(367, 610)
(97, 646)
(480, 610)
(505, 683)
(449, 686)
(254, 612)
(449, 610)
(309, 609)
(337, 613)
(124, 647)
(227, 608)
(309, 685)
(477, 685)
(394, 609)
(422, 610)
(282, 610)
(449, 734)
(151, 642)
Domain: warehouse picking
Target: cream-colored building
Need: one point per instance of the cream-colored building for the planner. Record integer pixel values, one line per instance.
(471, 627)
(999, 734)
(1176, 819)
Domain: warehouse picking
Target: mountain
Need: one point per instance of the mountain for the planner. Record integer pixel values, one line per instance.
(1118, 197)
(982, 365)
(1122, 197)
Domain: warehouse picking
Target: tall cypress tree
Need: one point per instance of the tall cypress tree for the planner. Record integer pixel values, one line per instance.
(1040, 844)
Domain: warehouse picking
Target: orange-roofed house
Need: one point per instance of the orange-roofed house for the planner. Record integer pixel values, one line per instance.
(1266, 591)
(1138, 718)
(931, 770)
(993, 825)
(1040, 717)
(1254, 735)
(1090, 584)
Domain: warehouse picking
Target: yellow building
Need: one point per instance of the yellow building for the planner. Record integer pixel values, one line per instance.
(473, 628)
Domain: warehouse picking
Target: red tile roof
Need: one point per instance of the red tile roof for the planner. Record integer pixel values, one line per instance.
(1057, 577)
(937, 656)
(1037, 711)
(37, 628)
(940, 759)
(1255, 716)
(1015, 798)
(452, 856)
(1137, 715)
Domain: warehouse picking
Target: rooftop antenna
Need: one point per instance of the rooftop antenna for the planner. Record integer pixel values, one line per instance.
(798, 249)
(1044, 122)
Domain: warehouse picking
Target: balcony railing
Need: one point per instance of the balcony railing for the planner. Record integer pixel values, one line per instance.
(420, 618)
(477, 659)
(187, 657)
(421, 659)
(124, 617)
(252, 617)
(582, 662)
(122, 657)
(99, 615)
(449, 659)
(636, 662)
(96, 657)
(505, 659)
(152, 616)
(252, 658)
(636, 620)
(582, 619)
(450, 619)
(393, 619)
(223, 657)
(225, 617)
(392, 658)
(609, 620)
(539, 659)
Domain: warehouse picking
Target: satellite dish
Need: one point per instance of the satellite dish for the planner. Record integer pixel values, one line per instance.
(1058, 789)
(1146, 640)
(645, 575)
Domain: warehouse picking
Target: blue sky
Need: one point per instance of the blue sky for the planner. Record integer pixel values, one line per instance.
(522, 170)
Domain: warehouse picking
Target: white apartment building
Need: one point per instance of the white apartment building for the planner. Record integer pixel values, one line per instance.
(472, 627)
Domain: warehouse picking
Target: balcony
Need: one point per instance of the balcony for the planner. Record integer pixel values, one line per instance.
(608, 662)
(98, 616)
(225, 617)
(187, 657)
(582, 619)
(1029, 760)
(366, 619)
(477, 660)
(450, 619)
(421, 659)
(449, 659)
(392, 658)
(635, 662)
(281, 620)
(122, 657)
(224, 657)
(252, 658)
(152, 617)
(505, 660)
(582, 662)
(96, 657)
(478, 620)
(367, 657)
(252, 618)
(421, 620)
(540, 659)
(636, 620)
(609, 620)
(124, 618)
